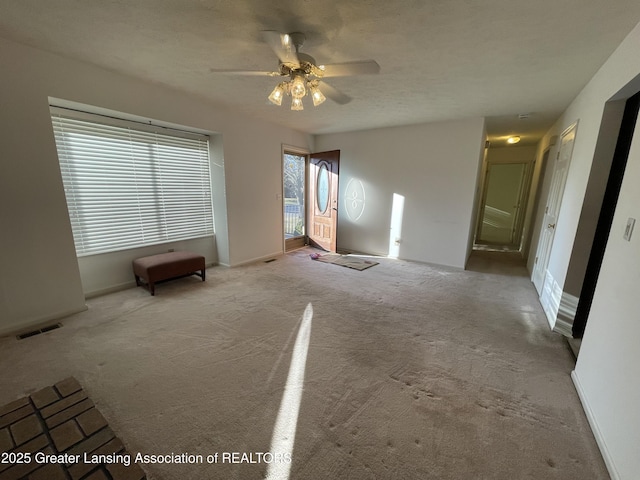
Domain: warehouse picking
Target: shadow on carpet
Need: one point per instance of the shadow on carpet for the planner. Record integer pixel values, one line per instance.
(58, 433)
(348, 261)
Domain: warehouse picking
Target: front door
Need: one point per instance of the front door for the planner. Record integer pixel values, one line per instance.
(323, 199)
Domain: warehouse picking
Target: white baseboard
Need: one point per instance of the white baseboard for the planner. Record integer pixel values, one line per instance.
(550, 299)
(20, 327)
(566, 314)
(257, 259)
(108, 290)
(593, 423)
(564, 328)
(568, 307)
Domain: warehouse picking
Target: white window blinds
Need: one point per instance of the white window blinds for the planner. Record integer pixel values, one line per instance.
(129, 186)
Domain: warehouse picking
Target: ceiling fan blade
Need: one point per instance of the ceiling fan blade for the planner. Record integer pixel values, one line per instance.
(282, 46)
(364, 67)
(249, 73)
(333, 93)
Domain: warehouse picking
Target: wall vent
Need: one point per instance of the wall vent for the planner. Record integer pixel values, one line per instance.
(39, 331)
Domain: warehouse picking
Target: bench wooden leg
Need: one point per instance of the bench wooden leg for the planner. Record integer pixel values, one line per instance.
(148, 285)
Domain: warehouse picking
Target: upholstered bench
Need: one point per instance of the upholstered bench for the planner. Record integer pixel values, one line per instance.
(165, 266)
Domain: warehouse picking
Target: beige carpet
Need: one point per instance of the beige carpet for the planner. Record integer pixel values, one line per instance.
(412, 372)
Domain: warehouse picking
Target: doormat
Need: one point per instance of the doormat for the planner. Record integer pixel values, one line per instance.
(58, 433)
(348, 261)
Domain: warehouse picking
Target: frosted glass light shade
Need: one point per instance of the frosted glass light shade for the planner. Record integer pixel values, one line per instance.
(298, 89)
(317, 96)
(276, 95)
(296, 104)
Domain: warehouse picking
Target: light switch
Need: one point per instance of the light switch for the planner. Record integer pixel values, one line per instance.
(629, 229)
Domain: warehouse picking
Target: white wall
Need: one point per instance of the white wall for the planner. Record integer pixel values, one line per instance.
(477, 196)
(608, 369)
(434, 166)
(594, 194)
(511, 154)
(40, 277)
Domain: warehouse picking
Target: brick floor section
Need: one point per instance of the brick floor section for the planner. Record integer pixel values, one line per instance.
(91, 421)
(59, 420)
(26, 429)
(44, 397)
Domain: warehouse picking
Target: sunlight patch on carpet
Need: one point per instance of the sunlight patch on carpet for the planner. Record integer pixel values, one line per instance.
(284, 431)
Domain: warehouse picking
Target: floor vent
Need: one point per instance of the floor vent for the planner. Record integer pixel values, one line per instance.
(270, 260)
(39, 331)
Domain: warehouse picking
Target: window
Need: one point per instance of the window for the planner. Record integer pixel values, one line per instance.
(130, 185)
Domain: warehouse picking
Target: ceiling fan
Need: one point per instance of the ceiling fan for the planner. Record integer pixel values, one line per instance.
(301, 74)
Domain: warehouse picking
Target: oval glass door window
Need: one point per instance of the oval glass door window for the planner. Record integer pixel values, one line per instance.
(322, 192)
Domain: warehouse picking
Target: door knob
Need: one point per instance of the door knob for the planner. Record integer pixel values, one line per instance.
(551, 225)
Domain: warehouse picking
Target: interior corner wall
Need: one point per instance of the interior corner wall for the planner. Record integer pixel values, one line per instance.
(608, 367)
(219, 200)
(434, 166)
(40, 277)
(477, 197)
(594, 195)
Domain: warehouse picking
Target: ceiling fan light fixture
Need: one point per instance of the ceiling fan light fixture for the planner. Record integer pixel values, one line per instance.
(296, 104)
(277, 94)
(298, 88)
(317, 96)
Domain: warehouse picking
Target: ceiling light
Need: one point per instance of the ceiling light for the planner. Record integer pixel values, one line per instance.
(296, 104)
(513, 139)
(316, 96)
(277, 94)
(298, 88)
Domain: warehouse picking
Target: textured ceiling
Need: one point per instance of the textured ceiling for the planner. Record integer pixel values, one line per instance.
(440, 59)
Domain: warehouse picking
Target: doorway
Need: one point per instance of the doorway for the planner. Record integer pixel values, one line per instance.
(503, 206)
(310, 199)
(294, 183)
